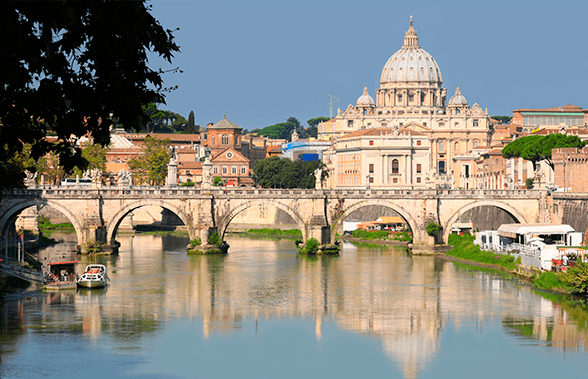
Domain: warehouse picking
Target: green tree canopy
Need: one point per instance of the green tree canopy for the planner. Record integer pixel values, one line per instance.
(276, 172)
(315, 121)
(537, 148)
(71, 67)
(94, 156)
(503, 119)
(151, 167)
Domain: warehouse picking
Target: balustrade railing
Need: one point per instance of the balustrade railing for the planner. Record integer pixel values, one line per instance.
(56, 190)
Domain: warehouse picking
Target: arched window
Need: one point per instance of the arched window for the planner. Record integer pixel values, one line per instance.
(395, 166)
(225, 140)
(441, 146)
(475, 144)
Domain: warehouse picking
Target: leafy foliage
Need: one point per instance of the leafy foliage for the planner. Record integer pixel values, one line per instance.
(315, 121)
(537, 148)
(196, 242)
(215, 239)
(575, 278)
(72, 67)
(310, 247)
(94, 156)
(548, 280)
(432, 229)
(151, 167)
(276, 172)
(502, 119)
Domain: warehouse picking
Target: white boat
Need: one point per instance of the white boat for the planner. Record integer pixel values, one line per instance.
(94, 277)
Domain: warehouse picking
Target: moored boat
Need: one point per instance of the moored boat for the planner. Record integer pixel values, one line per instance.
(93, 277)
(61, 276)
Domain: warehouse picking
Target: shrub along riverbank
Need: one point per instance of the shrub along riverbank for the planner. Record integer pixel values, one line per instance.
(573, 281)
(379, 235)
(272, 233)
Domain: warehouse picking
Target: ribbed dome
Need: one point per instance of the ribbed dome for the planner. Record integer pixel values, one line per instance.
(365, 99)
(411, 63)
(458, 98)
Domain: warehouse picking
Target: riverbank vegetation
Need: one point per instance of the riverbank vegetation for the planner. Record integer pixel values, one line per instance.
(46, 225)
(272, 233)
(464, 248)
(574, 280)
(402, 236)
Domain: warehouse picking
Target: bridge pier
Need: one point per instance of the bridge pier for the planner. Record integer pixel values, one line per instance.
(322, 233)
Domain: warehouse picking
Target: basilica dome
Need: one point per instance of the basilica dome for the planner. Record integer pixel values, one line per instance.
(458, 98)
(365, 100)
(411, 63)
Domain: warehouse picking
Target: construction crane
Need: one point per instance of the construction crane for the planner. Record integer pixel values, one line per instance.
(334, 99)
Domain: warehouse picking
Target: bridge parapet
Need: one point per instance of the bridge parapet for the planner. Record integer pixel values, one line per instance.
(188, 192)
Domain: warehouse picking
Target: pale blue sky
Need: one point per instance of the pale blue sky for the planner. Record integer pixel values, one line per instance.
(264, 61)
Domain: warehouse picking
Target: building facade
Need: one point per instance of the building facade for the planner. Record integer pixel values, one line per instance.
(411, 95)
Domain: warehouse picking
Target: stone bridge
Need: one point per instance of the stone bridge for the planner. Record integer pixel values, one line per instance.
(96, 213)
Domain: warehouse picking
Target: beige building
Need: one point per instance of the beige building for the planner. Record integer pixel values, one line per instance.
(379, 157)
(411, 95)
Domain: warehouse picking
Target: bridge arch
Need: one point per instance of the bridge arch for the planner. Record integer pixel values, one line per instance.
(16, 208)
(417, 237)
(225, 220)
(114, 222)
(499, 204)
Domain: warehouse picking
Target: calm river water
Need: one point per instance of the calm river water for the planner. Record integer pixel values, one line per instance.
(262, 311)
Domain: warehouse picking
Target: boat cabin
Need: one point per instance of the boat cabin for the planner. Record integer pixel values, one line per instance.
(63, 271)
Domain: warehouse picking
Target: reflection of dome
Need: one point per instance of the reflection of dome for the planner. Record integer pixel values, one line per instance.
(365, 99)
(411, 63)
(458, 98)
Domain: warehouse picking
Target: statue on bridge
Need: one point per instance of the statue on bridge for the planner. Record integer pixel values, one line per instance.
(124, 178)
(206, 173)
(29, 180)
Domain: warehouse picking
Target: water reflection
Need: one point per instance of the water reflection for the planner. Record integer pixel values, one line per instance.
(405, 302)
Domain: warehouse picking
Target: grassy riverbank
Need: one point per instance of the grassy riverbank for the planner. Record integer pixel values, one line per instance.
(46, 225)
(272, 233)
(381, 235)
(574, 281)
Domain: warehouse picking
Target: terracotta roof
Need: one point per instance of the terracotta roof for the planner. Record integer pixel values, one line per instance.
(565, 109)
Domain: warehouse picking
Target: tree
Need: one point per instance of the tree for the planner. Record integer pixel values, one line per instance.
(537, 148)
(313, 122)
(502, 119)
(576, 278)
(95, 156)
(191, 119)
(71, 67)
(276, 172)
(151, 167)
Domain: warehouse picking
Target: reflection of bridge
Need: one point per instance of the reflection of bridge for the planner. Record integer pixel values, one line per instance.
(96, 213)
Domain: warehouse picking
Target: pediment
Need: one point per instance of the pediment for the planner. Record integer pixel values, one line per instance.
(229, 155)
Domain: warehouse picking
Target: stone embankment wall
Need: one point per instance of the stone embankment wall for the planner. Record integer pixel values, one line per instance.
(487, 217)
(572, 210)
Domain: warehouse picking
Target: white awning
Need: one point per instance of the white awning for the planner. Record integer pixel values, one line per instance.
(511, 230)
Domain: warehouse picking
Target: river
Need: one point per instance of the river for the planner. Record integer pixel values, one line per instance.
(263, 311)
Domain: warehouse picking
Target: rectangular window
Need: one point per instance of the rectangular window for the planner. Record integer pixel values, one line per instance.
(225, 170)
(371, 179)
(234, 170)
(394, 180)
(418, 143)
(475, 122)
(371, 168)
(418, 168)
(215, 170)
(350, 123)
(424, 124)
(418, 179)
(371, 143)
(243, 170)
(442, 169)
